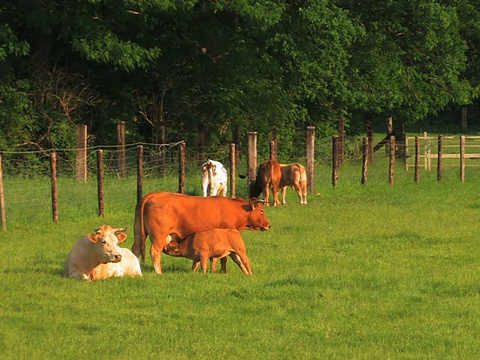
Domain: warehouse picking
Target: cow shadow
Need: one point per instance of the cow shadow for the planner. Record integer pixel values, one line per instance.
(169, 268)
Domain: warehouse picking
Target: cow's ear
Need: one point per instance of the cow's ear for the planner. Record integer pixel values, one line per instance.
(92, 238)
(121, 237)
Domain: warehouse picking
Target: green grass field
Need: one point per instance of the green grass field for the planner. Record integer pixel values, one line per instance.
(361, 272)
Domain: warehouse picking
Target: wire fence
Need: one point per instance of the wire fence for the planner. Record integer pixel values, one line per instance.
(26, 176)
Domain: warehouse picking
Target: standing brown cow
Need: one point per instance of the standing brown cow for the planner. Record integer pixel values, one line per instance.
(294, 175)
(161, 214)
(212, 244)
(268, 176)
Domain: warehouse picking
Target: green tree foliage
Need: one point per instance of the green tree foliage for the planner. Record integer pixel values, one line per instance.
(176, 66)
(14, 104)
(410, 59)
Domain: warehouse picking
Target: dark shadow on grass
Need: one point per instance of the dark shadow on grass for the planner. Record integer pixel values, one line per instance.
(170, 268)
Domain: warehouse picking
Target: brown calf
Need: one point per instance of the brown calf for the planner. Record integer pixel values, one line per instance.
(212, 244)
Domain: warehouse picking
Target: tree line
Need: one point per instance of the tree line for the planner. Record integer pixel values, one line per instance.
(170, 68)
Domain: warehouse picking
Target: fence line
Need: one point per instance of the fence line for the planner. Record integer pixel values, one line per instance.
(121, 161)
(450, 149)
(156, 160)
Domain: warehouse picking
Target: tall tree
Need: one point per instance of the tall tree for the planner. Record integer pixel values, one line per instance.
(410, 59)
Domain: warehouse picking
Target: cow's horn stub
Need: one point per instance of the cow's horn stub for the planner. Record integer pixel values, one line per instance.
(115, 230)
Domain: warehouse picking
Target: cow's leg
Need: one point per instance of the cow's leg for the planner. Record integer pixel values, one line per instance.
(204, 262)
(213, 264)
(246, 262)
(276, 201)
(266, 191)
(239, 261)
(297, 188)
(284, 194)
(156, 253)
(205, 185)
(304, 192)
(223, 262)
(195, 265)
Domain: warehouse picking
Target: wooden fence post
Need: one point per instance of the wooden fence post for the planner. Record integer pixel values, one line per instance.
(427, 152)
(370, 141)
(2, 199)
(341, 141)
(181, 170)
(201, 144)
(334, 160)
(365, 161)
(53, 167)
(392, 160)
(81, 152)
(400, 142)
(233, 167)
(439, 159)
(389, 131)
(273, 155)
(462, 158)
(274, 145)
(101, 205)
(417, 160)
(122, 163)
(310, 150)
(139, 174)
(252, 159)
(236, 141)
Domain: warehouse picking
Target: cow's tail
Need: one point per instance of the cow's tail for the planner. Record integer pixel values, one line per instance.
(140, 234)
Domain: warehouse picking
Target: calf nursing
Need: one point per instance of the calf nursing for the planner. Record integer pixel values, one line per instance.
(212, 244)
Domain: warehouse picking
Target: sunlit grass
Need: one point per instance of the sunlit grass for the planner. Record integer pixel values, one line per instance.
(361, 272)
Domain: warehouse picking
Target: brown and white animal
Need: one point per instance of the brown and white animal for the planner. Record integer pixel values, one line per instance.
(268, 176)
(98, 256)
(212, 244)
(162, 213)
(294, 175)
(214, 179)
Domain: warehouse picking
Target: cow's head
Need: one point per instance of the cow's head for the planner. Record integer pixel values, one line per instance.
(257, 220)
(172, 248)
(105, 243)
(256, 188)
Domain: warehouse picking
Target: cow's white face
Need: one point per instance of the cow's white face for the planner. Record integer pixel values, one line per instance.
(105, 244)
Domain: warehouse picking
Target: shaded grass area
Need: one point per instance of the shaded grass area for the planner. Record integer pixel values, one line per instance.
(371, 272)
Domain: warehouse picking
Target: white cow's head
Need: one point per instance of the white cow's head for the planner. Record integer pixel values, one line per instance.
(105, 243)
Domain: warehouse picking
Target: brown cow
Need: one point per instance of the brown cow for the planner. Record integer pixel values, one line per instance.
(268, 176)
(212, 244)
(161, 214)
(294, 175)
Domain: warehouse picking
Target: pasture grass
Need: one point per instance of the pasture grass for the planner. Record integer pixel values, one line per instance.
(361, 272)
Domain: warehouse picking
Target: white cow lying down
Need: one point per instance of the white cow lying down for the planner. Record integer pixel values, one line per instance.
(98, 256)
(214, 175)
